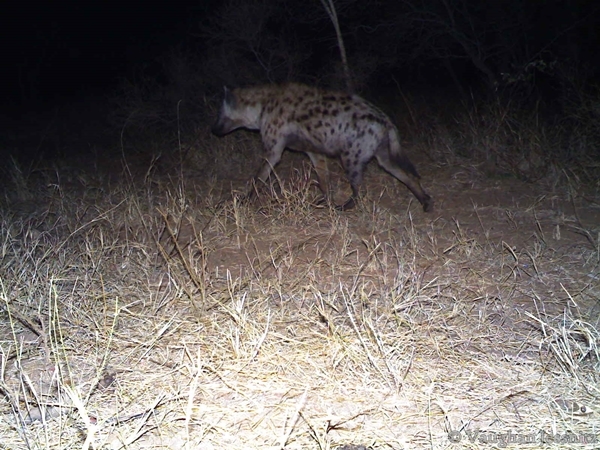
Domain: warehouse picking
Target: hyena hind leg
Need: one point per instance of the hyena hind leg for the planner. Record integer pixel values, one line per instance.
(411, 181)
(354, 173)
(319, 162)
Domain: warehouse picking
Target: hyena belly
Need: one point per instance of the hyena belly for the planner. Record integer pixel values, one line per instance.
(320, 123)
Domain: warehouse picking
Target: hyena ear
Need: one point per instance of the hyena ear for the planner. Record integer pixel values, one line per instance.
(229, 96)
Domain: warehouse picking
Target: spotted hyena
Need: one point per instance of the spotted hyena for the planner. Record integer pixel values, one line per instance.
(320, 123)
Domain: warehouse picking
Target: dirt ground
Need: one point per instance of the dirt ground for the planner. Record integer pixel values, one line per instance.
(161, 313)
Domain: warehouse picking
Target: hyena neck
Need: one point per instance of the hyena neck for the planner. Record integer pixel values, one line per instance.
(244, 107)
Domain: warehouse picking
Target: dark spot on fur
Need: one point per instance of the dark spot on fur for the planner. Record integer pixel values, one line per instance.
(303, 118)
(371, 118)
(329, 98)
(335, 112)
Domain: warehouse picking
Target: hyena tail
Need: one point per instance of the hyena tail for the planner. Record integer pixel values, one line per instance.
(398, 156)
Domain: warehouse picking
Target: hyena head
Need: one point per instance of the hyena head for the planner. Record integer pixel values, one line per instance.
(236, 112)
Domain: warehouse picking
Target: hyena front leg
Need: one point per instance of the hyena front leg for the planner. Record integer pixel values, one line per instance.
(319, 162)
(408, 179)
(273, 157)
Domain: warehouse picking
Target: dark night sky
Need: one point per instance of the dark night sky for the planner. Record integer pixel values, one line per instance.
(54, 50)
(63, 62)
(78, 46)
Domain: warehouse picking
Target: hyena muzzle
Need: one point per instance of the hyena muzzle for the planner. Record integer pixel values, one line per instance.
(322, 124)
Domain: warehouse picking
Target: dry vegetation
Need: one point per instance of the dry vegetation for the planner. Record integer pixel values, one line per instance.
(152, 311)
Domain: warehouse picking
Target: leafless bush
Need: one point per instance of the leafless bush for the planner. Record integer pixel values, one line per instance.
(167, 100)
(581, 122)
(251, 43)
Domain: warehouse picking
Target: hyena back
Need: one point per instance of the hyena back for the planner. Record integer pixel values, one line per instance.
(320, 123)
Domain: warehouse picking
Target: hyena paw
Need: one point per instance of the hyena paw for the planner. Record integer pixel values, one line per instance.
(350, 204)
(321, 202)
(242, 198)
(428, 204)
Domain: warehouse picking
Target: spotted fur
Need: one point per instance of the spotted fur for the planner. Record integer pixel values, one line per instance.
(322, 124)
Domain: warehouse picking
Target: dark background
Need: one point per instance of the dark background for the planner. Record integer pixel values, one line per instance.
(101, 60)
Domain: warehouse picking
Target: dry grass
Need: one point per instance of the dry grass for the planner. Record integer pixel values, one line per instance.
(151, 314)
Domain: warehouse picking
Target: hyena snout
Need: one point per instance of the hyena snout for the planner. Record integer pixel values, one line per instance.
(223, 126)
